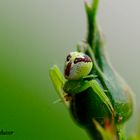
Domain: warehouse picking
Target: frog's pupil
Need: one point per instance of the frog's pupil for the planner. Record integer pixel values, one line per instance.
(68, 57)
(76, 60)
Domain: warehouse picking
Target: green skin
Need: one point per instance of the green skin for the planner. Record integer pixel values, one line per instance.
(101, 95)
(85, 91)
(90, 101)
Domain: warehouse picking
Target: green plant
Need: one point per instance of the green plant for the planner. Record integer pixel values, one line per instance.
(97, 97)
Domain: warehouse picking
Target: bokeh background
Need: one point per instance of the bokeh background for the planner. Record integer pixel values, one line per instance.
(34, 35)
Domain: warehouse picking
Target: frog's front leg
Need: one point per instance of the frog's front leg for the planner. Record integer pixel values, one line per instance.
(101, 94)
(74, 87)
(88, 103)
(58, 82)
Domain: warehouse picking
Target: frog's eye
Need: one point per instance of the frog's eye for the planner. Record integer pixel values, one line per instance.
(68, 58)
(76, 60)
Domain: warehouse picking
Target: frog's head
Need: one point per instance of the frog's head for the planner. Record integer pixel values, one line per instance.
(77, 65)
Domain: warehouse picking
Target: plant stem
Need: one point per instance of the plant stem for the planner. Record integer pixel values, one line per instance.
(91, 17)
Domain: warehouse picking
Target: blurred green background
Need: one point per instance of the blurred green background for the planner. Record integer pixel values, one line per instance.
(34, 35)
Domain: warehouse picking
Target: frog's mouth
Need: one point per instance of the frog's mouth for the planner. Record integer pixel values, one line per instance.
(82, 59)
